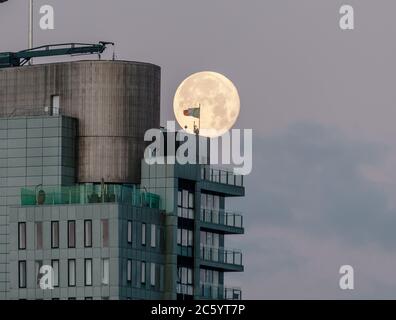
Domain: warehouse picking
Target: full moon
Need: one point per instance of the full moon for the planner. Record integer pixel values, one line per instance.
(213, 97)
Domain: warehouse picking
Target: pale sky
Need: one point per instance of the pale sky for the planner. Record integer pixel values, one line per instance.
(321, 102)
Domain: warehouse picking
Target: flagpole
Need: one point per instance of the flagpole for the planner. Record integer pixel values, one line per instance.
(199, 119)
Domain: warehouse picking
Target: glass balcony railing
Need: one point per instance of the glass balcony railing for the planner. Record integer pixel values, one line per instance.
(219, 292)
(89, 193)
(230, 219)
(221, 176)
(221, 255)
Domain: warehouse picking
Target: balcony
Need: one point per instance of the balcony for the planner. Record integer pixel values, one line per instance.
(219, 292)
(220, 220)
(88, 194)
(221, 258)
(221, 176)
(222, 180)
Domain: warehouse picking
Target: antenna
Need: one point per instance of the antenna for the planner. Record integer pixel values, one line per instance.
(114, 52)
(30, 28)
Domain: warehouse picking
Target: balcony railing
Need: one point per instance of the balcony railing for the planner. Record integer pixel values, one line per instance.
(230, 219)
(221, 176)
(89, 193)
(219, 292)
(221, 255)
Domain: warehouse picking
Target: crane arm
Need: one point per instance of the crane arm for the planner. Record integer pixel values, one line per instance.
(15, 59)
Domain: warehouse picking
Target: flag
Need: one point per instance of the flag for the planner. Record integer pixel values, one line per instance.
(192, 112)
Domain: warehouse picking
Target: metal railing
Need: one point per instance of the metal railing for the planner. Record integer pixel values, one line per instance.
(231, 219)
(221, 255)
(221, 176)
(219, 292)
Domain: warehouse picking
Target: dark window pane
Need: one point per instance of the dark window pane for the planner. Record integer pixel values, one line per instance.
(72, 272)
(88, 272)
(39, 235)
(129, 270)
(88, 233)
(129, 232)
(55, 269)
(55, 234)
(71, 232)
(22, 236)
(105, 232)
(22, 274)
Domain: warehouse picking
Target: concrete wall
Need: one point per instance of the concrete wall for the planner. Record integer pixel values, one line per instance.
(138, 252)
(33, 151)
(118, 251)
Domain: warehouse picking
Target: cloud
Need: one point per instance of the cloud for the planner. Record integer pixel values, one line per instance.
(310, 209)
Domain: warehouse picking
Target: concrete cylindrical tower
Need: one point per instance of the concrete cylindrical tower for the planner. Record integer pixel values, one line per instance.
(115, 102)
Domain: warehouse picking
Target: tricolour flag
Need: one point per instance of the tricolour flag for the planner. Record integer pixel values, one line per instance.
(192, 112)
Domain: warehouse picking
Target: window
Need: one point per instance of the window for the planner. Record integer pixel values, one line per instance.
(21, 235)
(38, 264)
(22, 274)
(184, 281)
(55, 103)
(72, 272)
(129, 271)
(105, 271)
(210, 239)
(55, 272)
(179, 198)
(129, 232)
(88, 233)
(39, 235)
(71, 233)
(185, 204)
(143, 273)
(210, 276)
(143, 234)
(105, 233)
(210, 201)
(185, 237)
(54, 234)
(152, 274)
(88, 272)
(153, 236)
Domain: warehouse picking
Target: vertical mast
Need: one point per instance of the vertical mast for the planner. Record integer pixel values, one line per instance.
(30, 27)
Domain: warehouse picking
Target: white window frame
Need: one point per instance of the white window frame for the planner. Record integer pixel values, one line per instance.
(153, 241)
(129, 231)
(105, 271)
(143, 234)
(55, 272)
(152, 274)
(88, 272)
(129, 271)
(71, 272)
(143, 272)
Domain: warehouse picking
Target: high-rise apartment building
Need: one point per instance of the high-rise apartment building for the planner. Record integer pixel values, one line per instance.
(76, 194)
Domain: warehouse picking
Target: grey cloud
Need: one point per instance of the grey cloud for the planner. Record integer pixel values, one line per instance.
(309, 177)
(310, 210)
